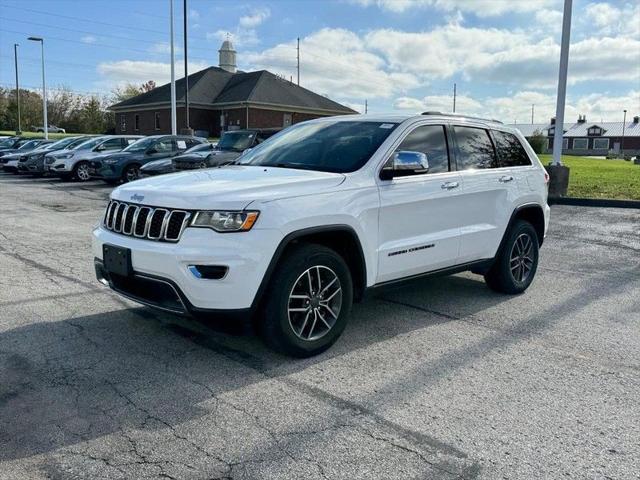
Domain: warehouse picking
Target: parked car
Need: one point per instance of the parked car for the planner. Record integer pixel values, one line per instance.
(33, 162)
(73, 163)
(11, 144)
(228, 149)
(125, 165)
(323, 212)
(11, 162)
(50, 129)
(21, 147)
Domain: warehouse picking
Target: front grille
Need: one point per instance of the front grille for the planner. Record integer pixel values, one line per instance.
(140, 221)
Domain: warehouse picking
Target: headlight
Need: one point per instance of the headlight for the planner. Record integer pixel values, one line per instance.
(110, 161)
(221, 221)
(65, 155)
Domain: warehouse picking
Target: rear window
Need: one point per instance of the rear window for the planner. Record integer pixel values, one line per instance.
(511, 153)
(475, 149)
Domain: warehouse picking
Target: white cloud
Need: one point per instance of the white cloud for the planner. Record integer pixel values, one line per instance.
(335, 61)
(481, 8)
(164, 48)
(255, 18)
(549, 20)
(88, 39)
(611, 20)
(517, 107)
(194, 14)
(134, 71)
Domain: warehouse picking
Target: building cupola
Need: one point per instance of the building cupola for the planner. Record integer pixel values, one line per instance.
(227, 56)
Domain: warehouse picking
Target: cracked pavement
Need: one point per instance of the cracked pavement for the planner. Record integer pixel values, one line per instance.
(440, 378)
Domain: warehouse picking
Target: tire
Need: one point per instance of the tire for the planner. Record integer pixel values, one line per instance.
(131, 173)
(81, 172)
(517, 261)
(303, 327)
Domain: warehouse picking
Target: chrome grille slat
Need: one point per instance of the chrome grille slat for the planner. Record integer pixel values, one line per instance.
(141, 221)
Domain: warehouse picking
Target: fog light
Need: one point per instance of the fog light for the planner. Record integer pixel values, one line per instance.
(209, 272)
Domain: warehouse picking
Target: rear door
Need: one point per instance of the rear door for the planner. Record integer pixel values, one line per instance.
(489, 191)
(420, 214)
(512, 155)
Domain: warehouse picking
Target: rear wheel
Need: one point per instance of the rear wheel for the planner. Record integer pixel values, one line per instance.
(308, 301)
(517, 261)
(81, 172)
(131, 173)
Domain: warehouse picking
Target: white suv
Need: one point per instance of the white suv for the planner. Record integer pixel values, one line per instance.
(326, 210)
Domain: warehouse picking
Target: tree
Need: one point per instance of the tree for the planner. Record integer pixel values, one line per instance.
(538, 141)
(92, 116)
(125, 92)
(61, 105)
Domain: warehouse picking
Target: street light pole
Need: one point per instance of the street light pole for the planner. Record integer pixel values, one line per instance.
(15, 55)
(44, 87)
(562, 83)
(624, 125)
(174, 123)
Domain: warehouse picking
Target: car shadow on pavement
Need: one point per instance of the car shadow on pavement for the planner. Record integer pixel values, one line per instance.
(66, 382)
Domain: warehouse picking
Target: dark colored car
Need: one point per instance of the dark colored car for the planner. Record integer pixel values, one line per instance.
(166, 165)
(21, 147)
(33, 162)
(12, 144)
(125, 166)
(230, 147)
(11, 162)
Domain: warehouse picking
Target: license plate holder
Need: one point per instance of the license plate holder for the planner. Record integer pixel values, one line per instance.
(117, 260)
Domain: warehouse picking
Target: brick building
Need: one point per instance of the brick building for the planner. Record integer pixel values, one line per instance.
(222, 98)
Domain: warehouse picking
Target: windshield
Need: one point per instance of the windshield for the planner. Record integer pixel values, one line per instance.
(236, 141)
(329, 146)
(7, 142)
(60, 144)
(201, 147)
(141, 145)
(29, 144)
(87, 144)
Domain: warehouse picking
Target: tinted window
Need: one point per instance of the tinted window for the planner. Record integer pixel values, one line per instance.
(113, 144)
(511, 153)
(163, 146)
(431, 141)
(328, 146)
(475, 150)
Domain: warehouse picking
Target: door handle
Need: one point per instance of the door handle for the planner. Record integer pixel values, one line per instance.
(505, 178)
(450, 185)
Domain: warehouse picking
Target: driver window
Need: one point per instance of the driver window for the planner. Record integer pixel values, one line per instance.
(163, 146)
(430, 140)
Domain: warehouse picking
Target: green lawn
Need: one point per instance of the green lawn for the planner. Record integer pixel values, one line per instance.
(54, 136)
(600, 178)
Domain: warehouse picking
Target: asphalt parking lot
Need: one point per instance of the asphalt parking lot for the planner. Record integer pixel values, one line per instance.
(440, 378)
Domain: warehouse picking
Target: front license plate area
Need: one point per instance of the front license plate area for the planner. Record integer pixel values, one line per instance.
(117, 260)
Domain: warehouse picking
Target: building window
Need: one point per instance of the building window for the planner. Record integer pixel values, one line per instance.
(136, 122)
(580, 143)
(157, 120)
(123, 123)
(565, 143)
(594, 131)
(601, 144)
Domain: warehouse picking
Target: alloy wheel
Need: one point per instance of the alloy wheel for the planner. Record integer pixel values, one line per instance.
(314, 303)
(521, 258)
(133, 173)
(82, 172)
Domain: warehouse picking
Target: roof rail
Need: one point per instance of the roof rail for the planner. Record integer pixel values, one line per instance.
(461, 116)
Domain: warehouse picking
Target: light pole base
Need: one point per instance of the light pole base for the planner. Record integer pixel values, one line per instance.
(186, 131)
(558, 180)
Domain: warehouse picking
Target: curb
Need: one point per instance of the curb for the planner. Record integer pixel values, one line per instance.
(594, 202)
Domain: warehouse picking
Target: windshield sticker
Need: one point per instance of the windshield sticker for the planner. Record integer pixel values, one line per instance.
(386, 125)
(182, 144)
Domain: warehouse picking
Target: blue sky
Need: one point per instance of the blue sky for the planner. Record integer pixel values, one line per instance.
(399, 55)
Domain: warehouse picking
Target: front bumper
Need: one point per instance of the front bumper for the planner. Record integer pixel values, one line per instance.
(247, 256)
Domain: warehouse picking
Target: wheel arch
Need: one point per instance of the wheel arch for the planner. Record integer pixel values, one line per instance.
(341, 238)
(529, 212)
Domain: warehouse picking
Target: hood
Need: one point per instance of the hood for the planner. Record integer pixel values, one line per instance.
(156, 164)
(231, 188)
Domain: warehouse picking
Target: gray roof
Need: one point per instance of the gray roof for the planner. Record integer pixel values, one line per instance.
(610, 129)
(213, 86)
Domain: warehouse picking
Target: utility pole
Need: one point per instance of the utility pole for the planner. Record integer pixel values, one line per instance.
(562, 83)
(298, 58)
(44, 87)
(454, 98)
(15, 55)
(366, 106)
(174, 126)
(186, 70)
(532, 109)
(624, 125)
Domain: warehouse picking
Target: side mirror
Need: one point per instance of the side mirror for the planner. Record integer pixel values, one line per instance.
(405, 163)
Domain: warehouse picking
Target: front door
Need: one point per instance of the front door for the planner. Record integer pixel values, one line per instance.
(420, 214)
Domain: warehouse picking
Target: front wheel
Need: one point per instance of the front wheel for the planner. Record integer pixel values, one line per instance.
(131, 173)
(81, 172)
(308, 301)
(517, 260)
